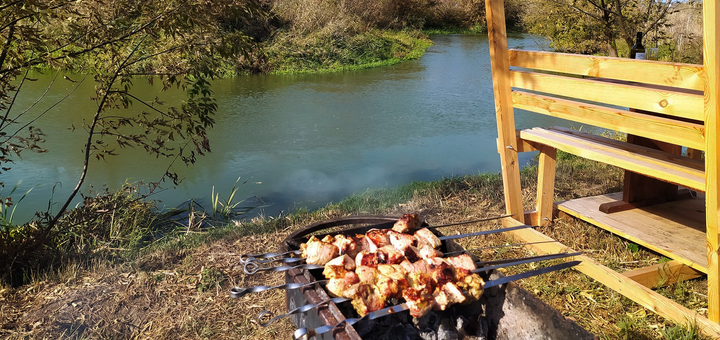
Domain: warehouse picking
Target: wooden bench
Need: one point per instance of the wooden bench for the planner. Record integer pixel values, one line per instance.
(669, 106)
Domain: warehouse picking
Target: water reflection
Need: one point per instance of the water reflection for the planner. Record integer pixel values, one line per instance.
(304, 140)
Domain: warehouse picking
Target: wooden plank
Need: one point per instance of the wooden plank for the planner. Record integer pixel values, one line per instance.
(662, 274)
(505, 117)
(674, 229)
(639, 159)
(686, 76)
(636, 123)
(620, 145)
(621, 284)
(670, 103)
(546, 185)
(711, 49)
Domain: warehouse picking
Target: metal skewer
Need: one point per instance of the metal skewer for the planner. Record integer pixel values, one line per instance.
(246, 259)
(237, 292)
(498, 264)
(304, 333)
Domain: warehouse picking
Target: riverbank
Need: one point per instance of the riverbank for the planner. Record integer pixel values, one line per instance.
(179, 288)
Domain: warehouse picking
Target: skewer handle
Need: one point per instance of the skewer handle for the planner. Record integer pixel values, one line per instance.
(252, 268)
(305, 334)
(237, 292)
(249, 257)
(301, 309)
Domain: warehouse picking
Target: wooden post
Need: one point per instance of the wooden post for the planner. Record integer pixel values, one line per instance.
(507, 144)
(546, 185)
(711, 49)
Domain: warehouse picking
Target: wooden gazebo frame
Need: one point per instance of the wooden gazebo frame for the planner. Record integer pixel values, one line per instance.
(670, 106)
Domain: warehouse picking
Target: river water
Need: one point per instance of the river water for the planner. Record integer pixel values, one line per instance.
(298, 140)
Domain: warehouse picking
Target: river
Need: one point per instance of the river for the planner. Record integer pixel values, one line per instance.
(298, 140)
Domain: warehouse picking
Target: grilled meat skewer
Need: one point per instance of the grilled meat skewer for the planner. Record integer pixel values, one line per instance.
(346, 248)
(417, 300)
(305, 334)
(237, 292)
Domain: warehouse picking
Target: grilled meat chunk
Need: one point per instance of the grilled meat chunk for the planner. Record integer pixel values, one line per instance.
(447, 295)
(366, 298)
(472, 286)
(407, 223)
(366, 258)
(318, 252)
(425, 236)
(419, 295)
(338, 266)
(346, 245)
(401, 241)
(389, 255)
(340, 286)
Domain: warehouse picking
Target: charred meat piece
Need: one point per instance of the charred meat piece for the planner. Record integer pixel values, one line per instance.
(407, 223)
(346, 245)
(338, 266)
(340, 286)
(447, 295)
(391, 280)
(366, 258)
(389, 255)
(401, 241)
(419, 295)
(378, 237)
(425, 236)
(366, 298)
(472, 286)
(318, 252)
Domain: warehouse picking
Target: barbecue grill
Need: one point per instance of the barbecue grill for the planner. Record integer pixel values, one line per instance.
(504, 312)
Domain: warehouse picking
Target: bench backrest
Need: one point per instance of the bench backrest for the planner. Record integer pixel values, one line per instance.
(666, 98)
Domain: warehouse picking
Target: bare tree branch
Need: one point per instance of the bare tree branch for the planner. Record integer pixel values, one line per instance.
(88, 144)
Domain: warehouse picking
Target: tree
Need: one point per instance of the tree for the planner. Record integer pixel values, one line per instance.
(178, 42)
(584, 26)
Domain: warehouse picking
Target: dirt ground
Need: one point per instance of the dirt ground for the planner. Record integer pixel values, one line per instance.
(179, 293)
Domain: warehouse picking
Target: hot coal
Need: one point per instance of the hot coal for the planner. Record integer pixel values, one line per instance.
(455, 323)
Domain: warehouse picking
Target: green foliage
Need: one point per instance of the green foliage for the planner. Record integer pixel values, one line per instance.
(320, 52)
(7, 208)
(590, 27)
(683, 332)
(227, 209)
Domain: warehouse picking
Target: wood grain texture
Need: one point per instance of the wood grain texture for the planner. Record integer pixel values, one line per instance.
(711, 49)
(507, 148)
(660, 128)
(675, 229)
(635, 291)
(662, 274)
(685, 76)
(547, 160)
(677, 104)
(657, 164)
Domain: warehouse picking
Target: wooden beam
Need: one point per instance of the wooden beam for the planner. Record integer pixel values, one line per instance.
(633, 290)
(659, 128)
(662, 274)
(654, 163)
(711, 50)
(546, 185)
(685, 76)
(507, 147)
(670, 103)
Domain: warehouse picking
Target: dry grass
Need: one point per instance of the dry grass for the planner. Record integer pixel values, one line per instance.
(183, 292)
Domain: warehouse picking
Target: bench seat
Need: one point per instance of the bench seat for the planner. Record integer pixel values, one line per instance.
(643, 160)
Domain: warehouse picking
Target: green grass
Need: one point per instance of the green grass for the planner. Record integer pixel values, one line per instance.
(318, 53)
